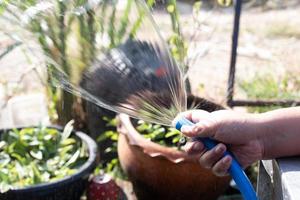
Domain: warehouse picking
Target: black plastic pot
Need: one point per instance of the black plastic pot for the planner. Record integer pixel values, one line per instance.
(68, 188)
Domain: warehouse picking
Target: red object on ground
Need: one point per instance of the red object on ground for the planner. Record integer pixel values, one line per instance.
(103, 187)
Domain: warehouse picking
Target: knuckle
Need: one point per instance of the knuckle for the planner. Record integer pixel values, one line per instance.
(219, 171)
(203, 162)
(219, 129)
(220, 174)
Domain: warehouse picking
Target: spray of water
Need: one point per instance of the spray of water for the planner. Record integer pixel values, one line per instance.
(128, 67)
(137, 76)
(135, 79)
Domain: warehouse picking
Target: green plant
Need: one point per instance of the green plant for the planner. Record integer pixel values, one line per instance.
(31, 156)
(113, 166)
(110, 133)
(267, 87)
(165, 136)
(177, 43)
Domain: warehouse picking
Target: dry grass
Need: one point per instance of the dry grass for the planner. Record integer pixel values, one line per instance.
(283, 30)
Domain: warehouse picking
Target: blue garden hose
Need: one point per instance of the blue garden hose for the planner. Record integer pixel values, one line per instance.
(235, 170)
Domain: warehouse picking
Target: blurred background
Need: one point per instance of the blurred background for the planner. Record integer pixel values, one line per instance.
(267, 62)
(199, 37)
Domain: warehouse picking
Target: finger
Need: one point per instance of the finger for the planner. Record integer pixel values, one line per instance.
(222, 166)
(209, 158)
(195, 115)
(194, 147)
(205, 125)
(190, 131)
(204, 128)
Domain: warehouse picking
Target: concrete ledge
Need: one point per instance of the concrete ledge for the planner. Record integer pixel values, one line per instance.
(279, 179)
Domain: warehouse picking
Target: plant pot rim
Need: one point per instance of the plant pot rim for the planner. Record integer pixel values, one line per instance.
(84, 170)
(152, 149)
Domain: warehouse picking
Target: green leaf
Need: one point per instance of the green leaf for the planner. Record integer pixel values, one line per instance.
(109, 150)
(18, 157)
(14, 134)
(11, 147)
(141, 14)
(172, 133)
(73, 158)
(171, 8)
(2, 144)
(48, 137)
(124, 21)
(4, 160)
(175, 140)
(64, 150)
(20, 170)
(45, 176)
(112, 122)
(68, 141)
(36, 173)
(4, 187)
(114, 137)
(67, 130)
(2, 9)
(225, 3)
(34, 142)
(108, 134)
(150, 3)
(197, 5)
(36, 154)
(112, 29)
(101, 137)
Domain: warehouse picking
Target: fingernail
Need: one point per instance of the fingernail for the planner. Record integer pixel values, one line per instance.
(220, 149)
(186, 128)
(226, 160)
(197, 146)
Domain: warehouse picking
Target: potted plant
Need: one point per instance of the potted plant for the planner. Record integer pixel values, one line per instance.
(45, 163)
(158, 172)
(161, 172)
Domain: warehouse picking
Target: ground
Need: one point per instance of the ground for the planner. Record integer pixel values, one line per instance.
(269, 44)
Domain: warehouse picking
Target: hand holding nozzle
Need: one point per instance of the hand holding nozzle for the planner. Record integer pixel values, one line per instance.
(214, 155)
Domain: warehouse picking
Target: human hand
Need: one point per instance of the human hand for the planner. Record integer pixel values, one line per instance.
(235, 132)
